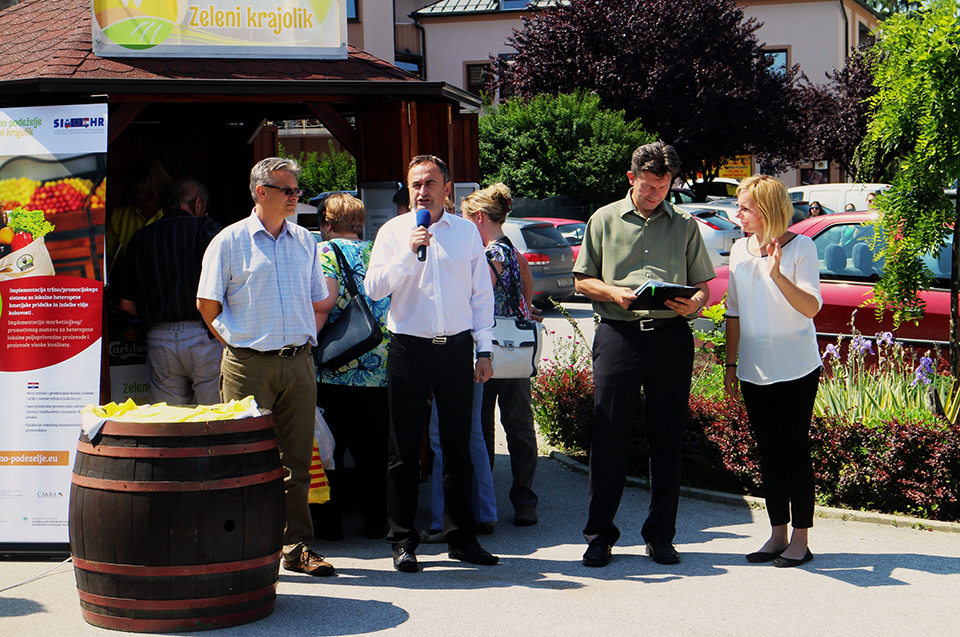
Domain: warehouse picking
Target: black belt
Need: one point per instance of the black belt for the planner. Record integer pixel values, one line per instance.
(285, 352)
(646, 325)
(437, 340)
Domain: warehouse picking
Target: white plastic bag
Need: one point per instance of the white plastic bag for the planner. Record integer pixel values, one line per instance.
(325, 441)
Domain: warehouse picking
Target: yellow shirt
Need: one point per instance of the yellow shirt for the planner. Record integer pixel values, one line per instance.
(121, 224)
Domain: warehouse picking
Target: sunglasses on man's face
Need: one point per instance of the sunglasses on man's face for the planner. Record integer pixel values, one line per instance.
(289, 192)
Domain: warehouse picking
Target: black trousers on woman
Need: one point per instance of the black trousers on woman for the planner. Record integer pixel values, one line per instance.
(359, 419)
(780, 415)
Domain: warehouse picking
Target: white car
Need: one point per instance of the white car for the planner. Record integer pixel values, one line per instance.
(836, 196)
(718, 232)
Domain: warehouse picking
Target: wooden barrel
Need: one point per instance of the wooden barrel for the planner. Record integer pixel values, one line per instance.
(177, 526)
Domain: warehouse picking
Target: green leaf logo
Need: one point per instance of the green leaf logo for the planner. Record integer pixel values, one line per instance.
(139, 33)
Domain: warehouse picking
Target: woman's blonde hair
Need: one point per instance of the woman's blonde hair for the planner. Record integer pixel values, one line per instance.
(344, 213)
(494, 201)
(772, 199)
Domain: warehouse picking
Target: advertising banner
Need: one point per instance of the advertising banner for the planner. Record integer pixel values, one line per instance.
(52, 185)
(308, 29)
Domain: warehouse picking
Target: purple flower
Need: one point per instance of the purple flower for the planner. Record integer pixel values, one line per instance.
(863, 344)
(885, 337)
(831, 351)
(923, 370)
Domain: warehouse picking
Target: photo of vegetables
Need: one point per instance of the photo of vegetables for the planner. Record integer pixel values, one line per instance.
(50, 226)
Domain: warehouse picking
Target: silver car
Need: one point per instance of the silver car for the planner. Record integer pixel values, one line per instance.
(549, 255)
(718, 232)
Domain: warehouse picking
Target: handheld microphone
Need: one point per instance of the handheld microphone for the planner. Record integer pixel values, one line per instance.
(423, 220)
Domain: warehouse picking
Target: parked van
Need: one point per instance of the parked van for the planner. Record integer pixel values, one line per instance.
(836, 196)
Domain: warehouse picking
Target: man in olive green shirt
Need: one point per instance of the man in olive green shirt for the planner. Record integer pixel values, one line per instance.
(628, 242)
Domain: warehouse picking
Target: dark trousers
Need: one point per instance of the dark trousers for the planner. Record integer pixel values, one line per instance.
(625, 360)
(516, 416)
(359, 420)
(780, 416)
(414, 365)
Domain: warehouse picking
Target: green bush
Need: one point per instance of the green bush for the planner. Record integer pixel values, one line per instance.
(325, 172)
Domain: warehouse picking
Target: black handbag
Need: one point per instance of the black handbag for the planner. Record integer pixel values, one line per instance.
(354, 333)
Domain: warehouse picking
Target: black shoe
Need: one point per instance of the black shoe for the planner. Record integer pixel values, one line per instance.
(405, 560)
(598, 553)
(526, 516)
(762, 556)
(663, 552)
(474, 553)
(786, 562)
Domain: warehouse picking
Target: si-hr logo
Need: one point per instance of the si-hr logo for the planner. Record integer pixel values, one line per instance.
(79, 122)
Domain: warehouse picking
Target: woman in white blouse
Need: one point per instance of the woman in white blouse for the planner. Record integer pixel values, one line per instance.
(773, 295)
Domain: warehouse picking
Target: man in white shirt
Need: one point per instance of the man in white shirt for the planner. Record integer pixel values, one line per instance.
(440, 307)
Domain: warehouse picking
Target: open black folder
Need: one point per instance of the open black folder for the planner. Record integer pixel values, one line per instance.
(652, 294)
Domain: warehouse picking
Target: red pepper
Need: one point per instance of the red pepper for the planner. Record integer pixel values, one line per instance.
(20, 240)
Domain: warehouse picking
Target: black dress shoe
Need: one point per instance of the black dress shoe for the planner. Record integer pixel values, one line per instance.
(786, 562)
(405, 560)
(663, 552)
(762, 556)
(474, 553)
(598, 553)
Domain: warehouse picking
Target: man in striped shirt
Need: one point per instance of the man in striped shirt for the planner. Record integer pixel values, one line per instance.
(159, 284)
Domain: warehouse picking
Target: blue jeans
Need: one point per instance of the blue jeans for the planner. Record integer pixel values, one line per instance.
(484, 500)
(184, 363)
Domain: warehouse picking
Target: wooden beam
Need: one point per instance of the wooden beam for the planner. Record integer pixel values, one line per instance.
(121, 117)
(339, 127)
(258, 99)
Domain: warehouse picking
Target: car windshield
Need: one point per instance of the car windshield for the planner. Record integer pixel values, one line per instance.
(572, 232)
(848, 252)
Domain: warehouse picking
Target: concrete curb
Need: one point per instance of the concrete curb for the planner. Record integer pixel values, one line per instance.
(752, 502)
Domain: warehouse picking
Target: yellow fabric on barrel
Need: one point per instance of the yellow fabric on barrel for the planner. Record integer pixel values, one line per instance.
(129, 411)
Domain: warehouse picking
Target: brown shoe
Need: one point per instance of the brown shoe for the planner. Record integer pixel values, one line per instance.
(310, 563)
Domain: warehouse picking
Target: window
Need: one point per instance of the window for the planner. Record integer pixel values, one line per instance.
(352, 11)
(513, 4)
(780, 59)
(864, 37)
(477, 75)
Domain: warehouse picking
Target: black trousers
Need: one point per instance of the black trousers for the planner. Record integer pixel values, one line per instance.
(780, 415)
(359, 420)
(414, 366)
(625, 360)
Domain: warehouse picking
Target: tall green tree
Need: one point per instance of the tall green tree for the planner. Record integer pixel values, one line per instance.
(692, 71)
(559, 145)
(917, 112)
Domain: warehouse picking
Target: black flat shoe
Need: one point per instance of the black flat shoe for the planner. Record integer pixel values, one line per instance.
(763, 556)
(474, 553)
(405, 560)
(786, 562)
(598, 553)
(663, 552)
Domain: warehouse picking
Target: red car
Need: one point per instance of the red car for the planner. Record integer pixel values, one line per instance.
(848, 272)
(571, 229)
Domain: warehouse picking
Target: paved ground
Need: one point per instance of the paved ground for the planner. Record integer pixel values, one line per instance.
(867, 579)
